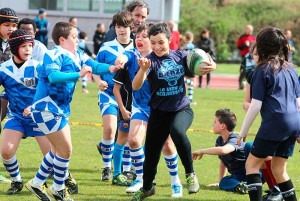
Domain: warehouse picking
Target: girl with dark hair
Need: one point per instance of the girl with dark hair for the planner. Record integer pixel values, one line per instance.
(275, 94)
(170, 108)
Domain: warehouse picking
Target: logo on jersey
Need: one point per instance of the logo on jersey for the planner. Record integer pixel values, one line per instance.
(170, 71)
(29, 82)
(125, 125)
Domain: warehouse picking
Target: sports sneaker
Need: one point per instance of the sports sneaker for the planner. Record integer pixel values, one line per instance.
(38, 191)
(135, 186)
(106, 174)
(61, 195)
(176, 191)
(272, 196)
(130, 175)
(193, 183)
(120, 180)
(142, 194)
(71, 184)
(15, 187)
(241, 188)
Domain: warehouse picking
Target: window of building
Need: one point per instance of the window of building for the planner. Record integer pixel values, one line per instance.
(109, 6)
(114, 6)
(47, 4)
(83, 5)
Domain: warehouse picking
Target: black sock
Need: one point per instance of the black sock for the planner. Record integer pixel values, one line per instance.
(254, 187)
(288, 191)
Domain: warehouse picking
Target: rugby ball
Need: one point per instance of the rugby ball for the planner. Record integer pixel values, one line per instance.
(196, 60)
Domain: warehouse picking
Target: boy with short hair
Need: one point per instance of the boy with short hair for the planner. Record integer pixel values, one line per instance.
(39, 49)
(8, 24)
(63, 66)
(122, 22)
(232, 156)
(19, 78)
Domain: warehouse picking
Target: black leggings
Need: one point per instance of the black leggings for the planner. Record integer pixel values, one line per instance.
(160, 125)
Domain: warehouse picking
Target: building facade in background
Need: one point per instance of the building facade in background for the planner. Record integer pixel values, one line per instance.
(90, 12)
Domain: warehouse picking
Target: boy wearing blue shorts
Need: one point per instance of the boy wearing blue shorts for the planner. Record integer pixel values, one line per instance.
(63, 66)
(232, 157)
(108, 53)
(19, 78)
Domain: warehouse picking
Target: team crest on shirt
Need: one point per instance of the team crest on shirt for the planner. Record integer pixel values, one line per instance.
(170, 71)
(29, 82)
(125, 125)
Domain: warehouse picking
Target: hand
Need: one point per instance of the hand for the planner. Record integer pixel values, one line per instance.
(126, 115)
(84, 70)
(103, 85)
(298, 140)
(144, 63)
(115, 68)
(239, 142)
(213, 185)
(211, 66)
(197, 155)
(27, 111)
(246, 105)
(121, 60)
(247, 43)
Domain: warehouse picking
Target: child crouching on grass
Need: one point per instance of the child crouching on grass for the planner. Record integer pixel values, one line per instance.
(232, 157)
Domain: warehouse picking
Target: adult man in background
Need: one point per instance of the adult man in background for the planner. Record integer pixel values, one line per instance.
(139, 10)
(243, 44)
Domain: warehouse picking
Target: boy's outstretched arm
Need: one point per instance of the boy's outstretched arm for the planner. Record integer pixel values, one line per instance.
(222, 150)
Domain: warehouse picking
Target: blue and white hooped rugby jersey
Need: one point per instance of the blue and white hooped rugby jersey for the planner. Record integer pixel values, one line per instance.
(56, 97)
(142, 96)
(108, 53)
(20, 86)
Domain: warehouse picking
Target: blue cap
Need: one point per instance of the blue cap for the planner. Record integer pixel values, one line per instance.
(42, 10)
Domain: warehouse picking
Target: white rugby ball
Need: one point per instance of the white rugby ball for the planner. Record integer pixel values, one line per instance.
(196, 60)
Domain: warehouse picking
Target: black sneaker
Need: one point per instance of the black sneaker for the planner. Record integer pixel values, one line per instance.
(15, 187)
(272, 195)
(130, 175)
(106, 174)
(61, 195)
(241, 188)
(142, 194)
(71, 184)
(38, 191)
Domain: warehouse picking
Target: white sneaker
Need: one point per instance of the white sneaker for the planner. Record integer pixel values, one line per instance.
(38, 191)
(176, 191)
(135, 186)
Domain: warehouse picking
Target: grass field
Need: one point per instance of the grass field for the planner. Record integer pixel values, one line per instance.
(233, 69)
(86, 164)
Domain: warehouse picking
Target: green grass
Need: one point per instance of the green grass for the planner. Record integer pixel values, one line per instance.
(86, 162)
(233, 69)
